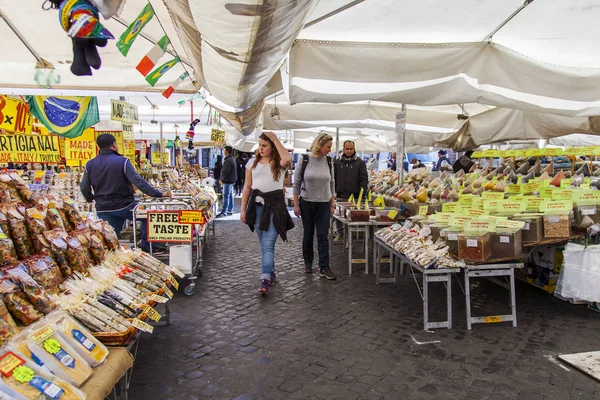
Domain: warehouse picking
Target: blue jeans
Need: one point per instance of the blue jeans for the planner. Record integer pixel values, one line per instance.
(267, 241)
(228, 198)
(315, 214)
(116, 219)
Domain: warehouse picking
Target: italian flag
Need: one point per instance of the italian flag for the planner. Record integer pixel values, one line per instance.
(169, 91)
(154, 55)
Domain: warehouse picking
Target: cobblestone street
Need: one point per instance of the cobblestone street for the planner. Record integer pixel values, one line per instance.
(351, 339)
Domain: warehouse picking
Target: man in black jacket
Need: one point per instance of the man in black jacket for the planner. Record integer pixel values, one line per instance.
(228, 178)
(108, 180)
(350, 176)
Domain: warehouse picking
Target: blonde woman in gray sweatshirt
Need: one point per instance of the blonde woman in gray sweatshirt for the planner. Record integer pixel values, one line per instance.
(314, 201)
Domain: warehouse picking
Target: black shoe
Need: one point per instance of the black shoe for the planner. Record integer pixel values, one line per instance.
(308, 268)
(326, 273)
(229, 213)
(221, 215)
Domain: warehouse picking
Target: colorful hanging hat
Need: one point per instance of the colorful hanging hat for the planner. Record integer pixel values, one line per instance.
(80, 19)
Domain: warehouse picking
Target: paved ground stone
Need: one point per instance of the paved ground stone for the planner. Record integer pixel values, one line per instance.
(350, 339)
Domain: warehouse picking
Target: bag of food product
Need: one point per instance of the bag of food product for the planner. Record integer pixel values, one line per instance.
(35, 292)
(22, 379)
(79, 338)
(25, 193)
(17, 303)
(97, 249)
(9, 185)
(59, 247)
(58, 355)
(45, 271)
(72, 212)
(96, 230)
(8, 328)
(54, 220)
(4, 193)
(8, 254)
(19, 233)
(83, 235)
(58, 206)
(4, 223)
(110, 237)
(77, 255)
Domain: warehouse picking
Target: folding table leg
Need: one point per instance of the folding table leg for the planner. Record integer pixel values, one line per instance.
(425, 302)
(350, 232)
(468, 298)
(367, 234)
(513, 300)
(449, 299)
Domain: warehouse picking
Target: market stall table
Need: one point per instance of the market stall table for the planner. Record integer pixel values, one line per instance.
(429, 275)
(349, 229)
(104, 381)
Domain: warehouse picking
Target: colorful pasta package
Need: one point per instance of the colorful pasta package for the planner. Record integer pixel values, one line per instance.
(8, 328)
(45, 271)
(4, 223)
(4, 193)
(58, 206)
(79, 338)
(110, 237)
(25, 193)
(72, 212)
(9, 185)
(97, 230)
(59, 247)
(97, 249)
(18, 303)
(23, 380)
(54, 220)
(20, 235)
(36, 220)
(83, 235)
(36, 293)
(77, 255)
(8, 254)
(54, 351)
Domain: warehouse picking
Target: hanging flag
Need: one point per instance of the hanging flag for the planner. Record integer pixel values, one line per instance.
(66, 116)
(155, 75)
(169, 91)
(154, 55)
(132, 32)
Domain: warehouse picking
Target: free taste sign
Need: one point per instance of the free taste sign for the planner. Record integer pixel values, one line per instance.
(164, 226)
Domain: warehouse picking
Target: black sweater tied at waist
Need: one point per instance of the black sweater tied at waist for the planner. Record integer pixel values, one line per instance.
(273, 201)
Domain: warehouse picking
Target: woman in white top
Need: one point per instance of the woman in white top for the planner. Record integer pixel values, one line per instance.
(263, 202)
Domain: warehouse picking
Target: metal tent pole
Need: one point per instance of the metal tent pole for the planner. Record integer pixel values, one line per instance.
(400, 142)
(337, 141)
(162, 151)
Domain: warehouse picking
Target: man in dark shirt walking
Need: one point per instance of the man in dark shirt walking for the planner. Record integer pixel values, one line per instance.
(108, 180)
(228, 178)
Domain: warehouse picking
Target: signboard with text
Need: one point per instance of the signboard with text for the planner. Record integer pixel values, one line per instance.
(164, 226)
(123, 111)
(29, 149)
(191, 217)
(80, 150)
(117, 134)
(15, 116)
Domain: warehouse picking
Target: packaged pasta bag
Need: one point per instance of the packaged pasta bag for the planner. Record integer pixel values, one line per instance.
(4, 222)
(79, 338)
(59, 247)
(20, 235)
(8, 254)
(18, 303)
(36, 293)
(8, 328)
(9, 185)
(4, 193)
(45, 271)
(55, 352)
(83, 235)
(23, 380)
(58, 206)
(77, 255)
(54, 220)
(97, 249)
(110, 236)
(72, 212)
(97, 230)
(25, 193)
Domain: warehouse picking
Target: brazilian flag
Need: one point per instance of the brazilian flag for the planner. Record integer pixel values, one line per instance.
(66, 116)
(158, 73)
(134, 29)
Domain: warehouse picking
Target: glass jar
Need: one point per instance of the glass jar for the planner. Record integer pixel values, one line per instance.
(557, 226)
(474, 246)
(506, 243)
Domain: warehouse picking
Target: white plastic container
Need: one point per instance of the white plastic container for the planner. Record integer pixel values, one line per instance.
(181, 257)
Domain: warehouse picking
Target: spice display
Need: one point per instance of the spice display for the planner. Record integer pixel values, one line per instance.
(592, 212)
(58, 355)
(18, 304)
(557, 226)
(45, 272)
(32, 383)
(532, 231)
(391, 215)
(8, 328)
(474, 246)
(506, 243)
(358, 215)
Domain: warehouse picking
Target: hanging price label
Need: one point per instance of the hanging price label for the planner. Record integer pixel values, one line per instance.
(142, 326)
(174, 282)
(177, 272)
(168, 292)
(152, 314)
(159, 299)
(423, 210)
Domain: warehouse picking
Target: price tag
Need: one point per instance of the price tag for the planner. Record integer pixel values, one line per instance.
(152, 314)
(392, 214)
(42, 334)
(450, 207)
(557, 207)
(487, 226)
(174, 282)
(490, 320)
(191, 217)
(466, 200)
(423, 210)
(514, 188)
(159, 299)
(511, 224)
(492, 196)
(8, 362)
(562, 194)
(565, 183)
(168, 292)
(532, 187)
(142, 326)
(177, 272)
(534, 203)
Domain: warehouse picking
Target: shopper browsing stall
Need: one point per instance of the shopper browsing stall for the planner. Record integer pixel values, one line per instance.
(314, 186)
(350, 177)
(108, 180)
(263, 202)
(228, 179)
(443, 163)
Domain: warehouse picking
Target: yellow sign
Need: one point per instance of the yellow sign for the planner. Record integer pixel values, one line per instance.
(473, 212)
(535, 203)
(29, 149)
(191, 217)
(423, 210)
(152, 314)
(466, 200)
(552, 152)
(511, 206)
(122, 111)
(117, 134)
(142, 326)
(514, 188)
(491, 320)
(127, 131)
(164, 226)
(562, 194)
(129, 150)
(217, 135)
(492, 195)
(510, 224)
(156, 158)
(450, 207)
(81, 149)
(477, 154)
(487, 226)
(14, 115)
(557, 207)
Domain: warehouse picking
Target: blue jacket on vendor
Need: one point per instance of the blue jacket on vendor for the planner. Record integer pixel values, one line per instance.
(108, 180)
